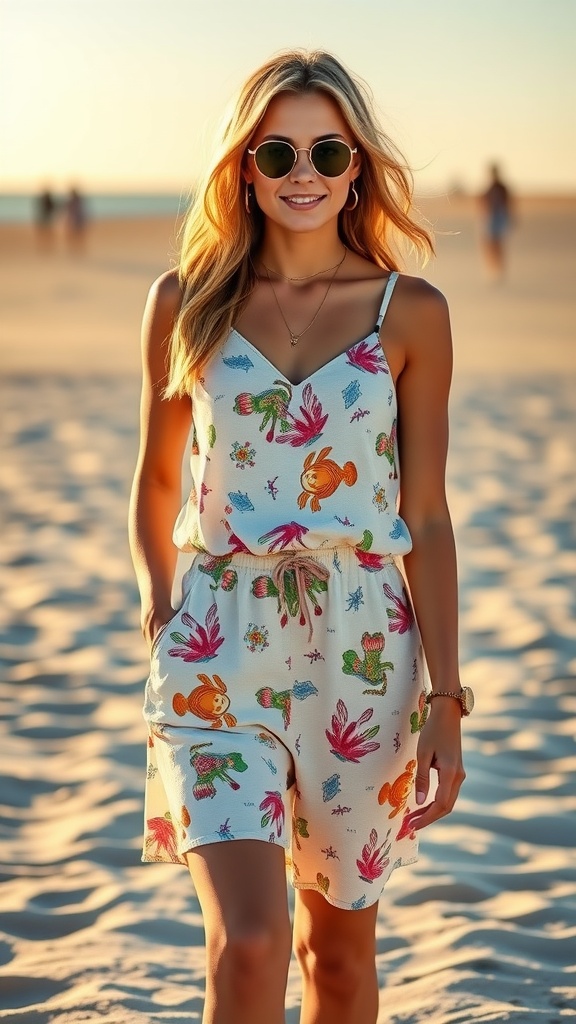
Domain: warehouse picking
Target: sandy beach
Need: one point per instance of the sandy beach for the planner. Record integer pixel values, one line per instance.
(483, 927)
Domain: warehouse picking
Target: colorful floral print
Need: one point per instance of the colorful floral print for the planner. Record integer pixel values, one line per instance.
(347, 742)
(161, 834)
(373, 860)
(306, 428)
(401, 617)
(273, 807)
(368, 358)
(243, 454)
(203, 643)
(256, 637)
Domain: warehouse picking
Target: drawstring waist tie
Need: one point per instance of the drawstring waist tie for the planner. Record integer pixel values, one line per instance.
(294, 578)
(309, 575)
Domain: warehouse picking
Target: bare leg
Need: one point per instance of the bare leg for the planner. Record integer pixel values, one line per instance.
(241, 886)
(336, 950)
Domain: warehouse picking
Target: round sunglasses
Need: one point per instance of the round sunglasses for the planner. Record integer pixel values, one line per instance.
(330, 158)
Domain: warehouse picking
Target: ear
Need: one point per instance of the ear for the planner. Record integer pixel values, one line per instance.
(356, 168)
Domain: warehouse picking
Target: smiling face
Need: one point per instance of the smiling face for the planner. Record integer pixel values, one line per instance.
(303, 200)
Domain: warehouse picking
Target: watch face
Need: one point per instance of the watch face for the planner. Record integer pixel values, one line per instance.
(467, 700)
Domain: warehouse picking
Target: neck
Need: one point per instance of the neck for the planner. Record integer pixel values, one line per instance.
(303, 255)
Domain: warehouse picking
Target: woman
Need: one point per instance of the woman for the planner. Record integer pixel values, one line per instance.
(313, 376)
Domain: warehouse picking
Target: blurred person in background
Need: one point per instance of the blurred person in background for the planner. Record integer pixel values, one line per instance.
(75, 220)
(45, 211)
(496, 206)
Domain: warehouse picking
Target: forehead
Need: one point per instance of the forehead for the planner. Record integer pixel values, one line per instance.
(302, 118)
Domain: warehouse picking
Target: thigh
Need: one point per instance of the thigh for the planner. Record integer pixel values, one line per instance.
(241, 886)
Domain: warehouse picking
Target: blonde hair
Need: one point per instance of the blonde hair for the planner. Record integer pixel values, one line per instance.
(218, 235)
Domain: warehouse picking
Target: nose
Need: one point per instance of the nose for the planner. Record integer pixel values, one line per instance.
(303, 169)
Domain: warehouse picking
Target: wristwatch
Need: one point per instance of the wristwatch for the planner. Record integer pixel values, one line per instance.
(465, 697)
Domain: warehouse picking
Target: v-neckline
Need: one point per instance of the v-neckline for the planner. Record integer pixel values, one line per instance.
(315, 373)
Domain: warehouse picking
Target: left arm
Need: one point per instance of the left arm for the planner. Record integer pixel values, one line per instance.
(423, 389)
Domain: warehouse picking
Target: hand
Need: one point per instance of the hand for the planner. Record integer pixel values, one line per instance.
(153, 621)
(440, 748)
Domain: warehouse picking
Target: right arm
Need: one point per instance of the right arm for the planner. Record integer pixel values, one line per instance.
(156, 491)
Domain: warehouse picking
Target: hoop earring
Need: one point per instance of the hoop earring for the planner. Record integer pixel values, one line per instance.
(355, 203)
(247, 198)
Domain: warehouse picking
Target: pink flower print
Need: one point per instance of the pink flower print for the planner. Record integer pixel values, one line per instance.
(372, 862)
(369, 560)
(348, 743)
(273, 808)
(234, 541)
(309, 427)
(162, 834)
(263, 586)
(203, 643)
(370, 360)
(401, 616)
(282, 536)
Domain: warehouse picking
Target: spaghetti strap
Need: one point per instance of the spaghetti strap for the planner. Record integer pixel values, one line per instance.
(386, 298)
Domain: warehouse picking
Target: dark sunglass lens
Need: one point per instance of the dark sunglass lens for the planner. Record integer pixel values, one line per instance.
(275, 159)
(331, 158)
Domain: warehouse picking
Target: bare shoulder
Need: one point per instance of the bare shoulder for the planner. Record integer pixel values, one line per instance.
(165, 295)
(420, 317)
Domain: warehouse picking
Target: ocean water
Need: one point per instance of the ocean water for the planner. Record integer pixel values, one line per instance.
(20, 209)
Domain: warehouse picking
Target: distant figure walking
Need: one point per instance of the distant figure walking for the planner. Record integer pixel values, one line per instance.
(45, 211)
(75, 220)
(496, 204)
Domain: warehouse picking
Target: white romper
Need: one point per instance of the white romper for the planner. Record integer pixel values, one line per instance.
(286, 694)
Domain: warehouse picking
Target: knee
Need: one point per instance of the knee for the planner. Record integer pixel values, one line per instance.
(245, 957)
(334, 967)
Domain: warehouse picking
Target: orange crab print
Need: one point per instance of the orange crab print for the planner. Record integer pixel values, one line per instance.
(208, 701)
(322, 476)
(396, 793)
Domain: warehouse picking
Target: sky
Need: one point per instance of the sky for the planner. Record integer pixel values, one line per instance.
(126, 95)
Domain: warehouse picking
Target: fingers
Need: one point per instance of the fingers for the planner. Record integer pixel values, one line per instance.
(450, 780)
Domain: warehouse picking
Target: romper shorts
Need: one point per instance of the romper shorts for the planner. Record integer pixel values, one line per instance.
(284, 704)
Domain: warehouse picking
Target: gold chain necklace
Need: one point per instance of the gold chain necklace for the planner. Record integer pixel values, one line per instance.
(295, 338)
(310, 276)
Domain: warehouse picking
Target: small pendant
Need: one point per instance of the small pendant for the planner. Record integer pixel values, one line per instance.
(294, 339)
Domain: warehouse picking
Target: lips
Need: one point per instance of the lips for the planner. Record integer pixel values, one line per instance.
(302, 202)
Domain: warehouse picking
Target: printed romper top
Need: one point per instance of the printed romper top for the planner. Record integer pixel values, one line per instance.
(280, 467)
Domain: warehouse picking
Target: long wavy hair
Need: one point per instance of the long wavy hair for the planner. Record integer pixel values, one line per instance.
(219, 234)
